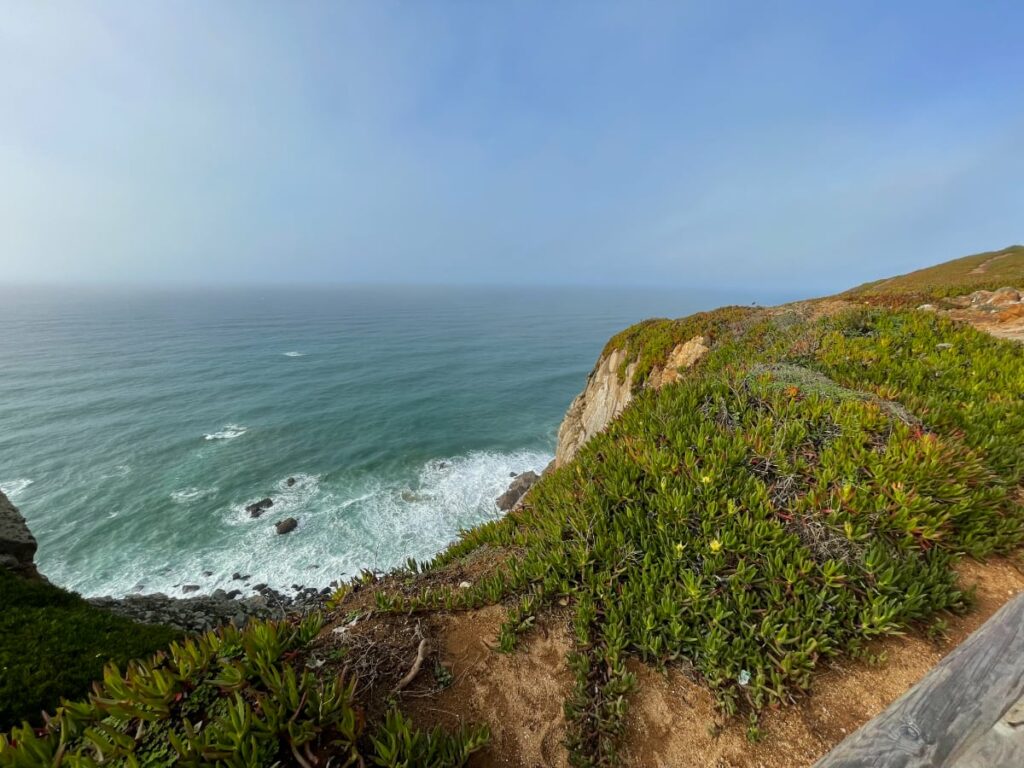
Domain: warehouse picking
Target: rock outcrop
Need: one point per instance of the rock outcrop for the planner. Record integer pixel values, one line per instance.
(17, 544)
(607, 393)
(516, 490)
(681, 358)
(604, 398)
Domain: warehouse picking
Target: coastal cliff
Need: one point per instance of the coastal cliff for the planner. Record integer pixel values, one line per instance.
(610, 388)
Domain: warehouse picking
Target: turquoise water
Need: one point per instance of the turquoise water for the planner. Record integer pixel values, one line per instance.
(136, 425)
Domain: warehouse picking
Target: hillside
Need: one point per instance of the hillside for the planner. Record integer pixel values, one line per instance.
(763, 525)
(980, 272)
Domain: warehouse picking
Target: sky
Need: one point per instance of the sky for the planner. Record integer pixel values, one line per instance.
(797, 146)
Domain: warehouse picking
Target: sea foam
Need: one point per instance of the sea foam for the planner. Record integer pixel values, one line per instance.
(345, 525)
(14, 488)
(229, 432)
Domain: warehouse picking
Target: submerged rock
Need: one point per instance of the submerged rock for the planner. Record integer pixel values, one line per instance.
(516, 490)
(287, 525)
(290, 482)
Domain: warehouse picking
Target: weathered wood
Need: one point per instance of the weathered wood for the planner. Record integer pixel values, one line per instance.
(1003, 745)
(962, 714)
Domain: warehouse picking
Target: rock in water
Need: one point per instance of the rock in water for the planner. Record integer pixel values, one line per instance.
(287, 525)
(290, 482)
(261, 506)
(517, 490)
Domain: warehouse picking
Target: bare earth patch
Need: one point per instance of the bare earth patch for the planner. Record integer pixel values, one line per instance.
(519, 695)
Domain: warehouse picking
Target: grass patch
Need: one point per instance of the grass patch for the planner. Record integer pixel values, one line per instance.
(53, 644)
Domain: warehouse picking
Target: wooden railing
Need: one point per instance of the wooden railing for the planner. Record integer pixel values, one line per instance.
(967, 712)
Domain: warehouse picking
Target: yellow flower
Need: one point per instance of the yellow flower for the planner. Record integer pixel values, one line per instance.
(705, 479)
(679, 548)
(716, 546)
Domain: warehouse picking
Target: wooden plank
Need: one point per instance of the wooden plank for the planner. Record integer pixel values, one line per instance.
(1003, 745)
(964, 708)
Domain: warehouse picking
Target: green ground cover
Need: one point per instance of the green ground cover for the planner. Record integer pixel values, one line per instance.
(53, 644)
(231, 698)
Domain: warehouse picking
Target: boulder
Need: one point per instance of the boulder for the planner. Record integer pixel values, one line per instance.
(259, 507)
(290, 482)
(17, 544)
(287, 525)
(516, 490)
(190, 588)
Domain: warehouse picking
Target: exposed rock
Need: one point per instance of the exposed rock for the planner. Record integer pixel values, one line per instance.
(290, 482)
(516, 490)
(287, 525)
(607, 394)
(1004, 297)
(17, 544)
(604, 398)
(684, 355)
(259, 507)
(190, 588)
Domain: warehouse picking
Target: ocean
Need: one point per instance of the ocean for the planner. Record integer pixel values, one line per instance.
(137, 424)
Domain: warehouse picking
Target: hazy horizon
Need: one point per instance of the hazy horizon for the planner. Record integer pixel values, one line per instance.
(796, 149)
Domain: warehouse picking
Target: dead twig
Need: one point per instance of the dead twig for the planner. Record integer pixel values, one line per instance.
(421, 653)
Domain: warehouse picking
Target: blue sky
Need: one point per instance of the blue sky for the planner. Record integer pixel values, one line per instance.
(796, 146)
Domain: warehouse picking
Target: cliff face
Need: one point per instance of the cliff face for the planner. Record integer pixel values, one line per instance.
(607, 394)
(17, 544)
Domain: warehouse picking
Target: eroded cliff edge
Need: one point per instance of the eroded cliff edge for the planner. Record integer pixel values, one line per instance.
(610, 388)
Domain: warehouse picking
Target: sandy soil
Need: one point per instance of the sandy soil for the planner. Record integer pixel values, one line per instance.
(519, 695)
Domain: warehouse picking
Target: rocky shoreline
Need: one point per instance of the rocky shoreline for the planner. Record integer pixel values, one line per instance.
(202, 612)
